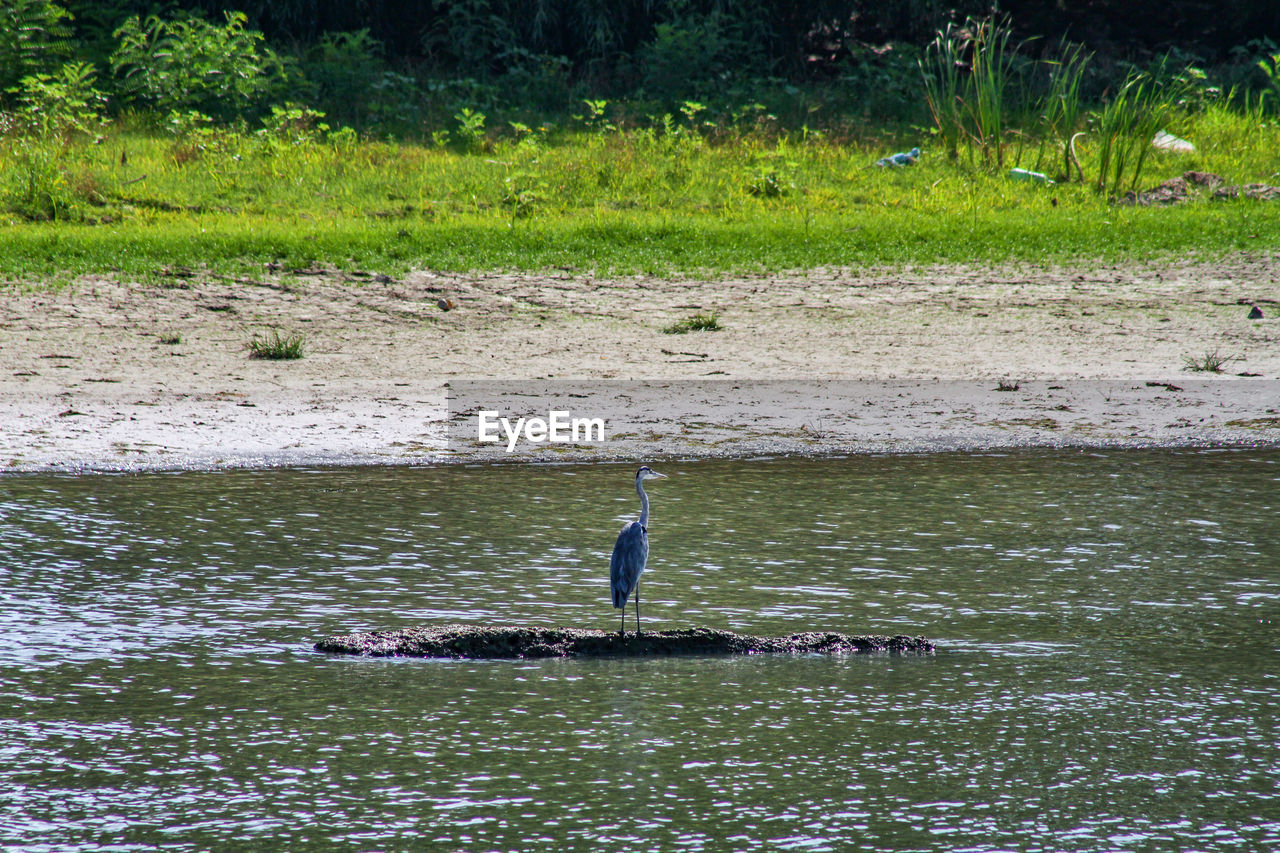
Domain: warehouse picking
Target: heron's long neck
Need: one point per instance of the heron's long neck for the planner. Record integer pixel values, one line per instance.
(644, 503)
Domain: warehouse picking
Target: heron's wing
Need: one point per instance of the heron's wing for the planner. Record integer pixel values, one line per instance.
(630, 553)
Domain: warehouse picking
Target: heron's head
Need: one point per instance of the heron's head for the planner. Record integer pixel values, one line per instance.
(647, 473)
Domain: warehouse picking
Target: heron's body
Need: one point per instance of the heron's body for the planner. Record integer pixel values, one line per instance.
(631, 553)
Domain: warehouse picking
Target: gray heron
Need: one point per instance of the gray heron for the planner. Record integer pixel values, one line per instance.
(631, 552)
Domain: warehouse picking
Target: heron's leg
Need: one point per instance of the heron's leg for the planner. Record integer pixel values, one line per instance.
(622, 632)
(637, 608)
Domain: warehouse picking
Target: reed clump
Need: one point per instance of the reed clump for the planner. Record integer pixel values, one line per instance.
(276, 346)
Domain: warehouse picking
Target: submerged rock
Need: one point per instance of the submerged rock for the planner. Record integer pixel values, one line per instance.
(480, 641)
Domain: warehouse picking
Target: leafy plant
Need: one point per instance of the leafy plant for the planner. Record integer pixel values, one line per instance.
(190, 63)
(52, 109)
(346, 69)
(691, 109)
(524, 190)
(292, 125)
(60, 105)
(470, 128)
(700, 322)
(1270, 66)
(277, 346)
(35, 38)
(766, 185)
(692, 52)
(597, 117)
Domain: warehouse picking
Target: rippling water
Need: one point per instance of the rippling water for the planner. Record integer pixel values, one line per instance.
(1108, 675)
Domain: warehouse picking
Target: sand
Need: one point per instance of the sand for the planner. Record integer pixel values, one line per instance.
(826, 361)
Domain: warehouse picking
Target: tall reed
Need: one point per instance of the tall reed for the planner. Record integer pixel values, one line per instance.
(970, 78)
(992, 82)
(1061, 109)
(1127, 124)
(941, 66)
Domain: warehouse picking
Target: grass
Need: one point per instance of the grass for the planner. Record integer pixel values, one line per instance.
(609, 202)
(701, 322)
(276, 347)
(1209, 362)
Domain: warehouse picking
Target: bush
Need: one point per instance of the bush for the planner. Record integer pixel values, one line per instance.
(189, 63)
(35, 38)
(52, 110)
(346, 72)
(292, 125)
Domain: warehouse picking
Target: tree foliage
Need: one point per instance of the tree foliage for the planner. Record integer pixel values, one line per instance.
(595, 35)
(410, 65)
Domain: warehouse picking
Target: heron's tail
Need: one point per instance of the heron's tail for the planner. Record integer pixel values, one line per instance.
(620, 595)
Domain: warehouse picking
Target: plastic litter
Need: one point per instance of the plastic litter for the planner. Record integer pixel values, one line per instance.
(1168, 142)
(1028, 175)
(902, 158)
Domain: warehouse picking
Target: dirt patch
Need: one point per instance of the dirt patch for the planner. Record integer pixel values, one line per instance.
(480, 641)
(1195, 185)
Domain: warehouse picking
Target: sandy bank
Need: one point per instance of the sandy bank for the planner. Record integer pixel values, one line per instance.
(912, 360)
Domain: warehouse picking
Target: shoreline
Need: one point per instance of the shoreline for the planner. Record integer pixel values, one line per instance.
(869, 361)
(668, 420)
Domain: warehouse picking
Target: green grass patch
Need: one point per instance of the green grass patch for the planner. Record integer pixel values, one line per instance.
(651, 243)
(276, 347)
(700, 322)
(606, 202)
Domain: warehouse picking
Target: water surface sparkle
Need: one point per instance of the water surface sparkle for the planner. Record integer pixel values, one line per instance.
(1107, 676)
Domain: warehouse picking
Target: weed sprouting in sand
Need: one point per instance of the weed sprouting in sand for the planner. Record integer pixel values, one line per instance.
(276, 346)
(1212, 361)
(700, 322)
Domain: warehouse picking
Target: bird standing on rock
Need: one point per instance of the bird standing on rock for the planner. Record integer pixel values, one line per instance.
(631, 552)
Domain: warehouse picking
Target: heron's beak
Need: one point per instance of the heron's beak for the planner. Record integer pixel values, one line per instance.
(654, 475)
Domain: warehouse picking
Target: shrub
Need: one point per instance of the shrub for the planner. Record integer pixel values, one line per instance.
(292, 125)
(35, 38)
(348, 76)
(52, 109)
(189, 63)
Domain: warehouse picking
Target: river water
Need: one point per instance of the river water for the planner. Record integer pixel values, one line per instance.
(1108, 672)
